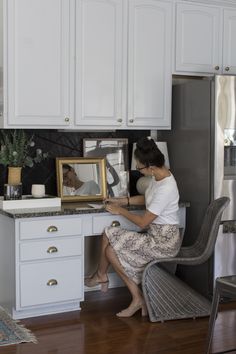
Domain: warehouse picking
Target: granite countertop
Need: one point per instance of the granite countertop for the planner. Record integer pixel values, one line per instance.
(67, 209)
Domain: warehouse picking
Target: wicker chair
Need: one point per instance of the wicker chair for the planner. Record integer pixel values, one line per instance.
(166, 296)
(224, 287)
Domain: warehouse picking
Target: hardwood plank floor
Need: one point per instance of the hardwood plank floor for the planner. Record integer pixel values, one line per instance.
(96, 330)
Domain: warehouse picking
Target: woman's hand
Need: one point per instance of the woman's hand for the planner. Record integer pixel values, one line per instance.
(114, 209)
(118, 201)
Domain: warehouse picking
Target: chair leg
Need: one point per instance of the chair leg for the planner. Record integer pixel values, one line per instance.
(214, 310)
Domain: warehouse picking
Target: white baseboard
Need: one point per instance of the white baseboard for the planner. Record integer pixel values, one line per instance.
(114, 282)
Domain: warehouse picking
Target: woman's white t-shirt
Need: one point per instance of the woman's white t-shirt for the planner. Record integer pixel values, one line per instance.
(87, 188)
(162, 198)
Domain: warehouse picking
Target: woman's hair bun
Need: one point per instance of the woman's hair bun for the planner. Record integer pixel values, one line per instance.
(146, 144)
(148, 153)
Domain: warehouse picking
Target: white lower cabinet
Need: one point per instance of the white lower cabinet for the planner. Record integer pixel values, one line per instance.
(50, 282)
(42, 260)
(49, 265)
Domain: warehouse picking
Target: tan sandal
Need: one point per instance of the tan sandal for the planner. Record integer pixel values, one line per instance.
(93, 281)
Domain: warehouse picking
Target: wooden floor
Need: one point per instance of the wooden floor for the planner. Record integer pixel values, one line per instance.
(97, 330)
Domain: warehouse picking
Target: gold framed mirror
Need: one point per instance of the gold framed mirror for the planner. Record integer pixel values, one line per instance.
(81, 179)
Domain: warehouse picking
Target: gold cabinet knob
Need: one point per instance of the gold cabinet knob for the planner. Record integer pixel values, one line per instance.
(67, 119)
(52, 229)
(217, 67)
(119, 120)
(227, 68)
(115, 223)
(52, 282)
(52, 249)
(131, 120)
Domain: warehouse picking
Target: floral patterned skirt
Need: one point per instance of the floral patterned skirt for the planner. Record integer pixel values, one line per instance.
(136, 249)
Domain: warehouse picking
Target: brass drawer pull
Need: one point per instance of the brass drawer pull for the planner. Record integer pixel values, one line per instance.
(52, 249)
(52, 282)
(52, 228)
(115, 223)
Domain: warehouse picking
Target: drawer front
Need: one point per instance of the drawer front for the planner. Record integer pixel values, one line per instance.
(65, 277)
(100, 222)
(50, 227)
(50, 249)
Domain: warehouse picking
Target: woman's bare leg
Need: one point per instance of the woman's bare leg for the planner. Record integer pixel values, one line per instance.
(103, 262)
(100, 276)
(137, 302)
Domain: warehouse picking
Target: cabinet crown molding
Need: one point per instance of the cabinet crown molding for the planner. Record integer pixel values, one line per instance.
(224, 3)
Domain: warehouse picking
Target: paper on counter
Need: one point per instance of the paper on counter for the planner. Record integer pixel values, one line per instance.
(97, 206)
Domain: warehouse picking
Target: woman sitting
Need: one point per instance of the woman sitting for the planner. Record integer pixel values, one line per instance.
(128, 251)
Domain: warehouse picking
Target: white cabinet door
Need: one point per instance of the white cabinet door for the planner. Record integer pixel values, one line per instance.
(198, 38)
(39, 59)
(229, 46)
(99, 60)
(149, 63)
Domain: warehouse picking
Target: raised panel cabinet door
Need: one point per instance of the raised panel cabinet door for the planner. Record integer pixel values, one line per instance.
(229, 44)
(149, 64)
(99, 60)
(198, 38)
(39, 62)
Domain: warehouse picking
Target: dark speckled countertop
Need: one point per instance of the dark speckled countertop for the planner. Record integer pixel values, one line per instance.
(65, 209)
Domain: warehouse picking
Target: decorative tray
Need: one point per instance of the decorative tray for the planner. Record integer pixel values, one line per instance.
(28, 201)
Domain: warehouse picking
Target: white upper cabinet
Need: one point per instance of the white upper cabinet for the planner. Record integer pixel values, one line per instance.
(123, 63)
(149, 63)
(38, 63)
(99, 62)
(82, 64)
(198, 38)
(205, 39)
(229, 44)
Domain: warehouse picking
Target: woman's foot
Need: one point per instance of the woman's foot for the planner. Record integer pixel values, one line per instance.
(96, 279)
(132, 309)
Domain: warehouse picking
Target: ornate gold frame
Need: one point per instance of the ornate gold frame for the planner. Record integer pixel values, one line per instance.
(73, 161)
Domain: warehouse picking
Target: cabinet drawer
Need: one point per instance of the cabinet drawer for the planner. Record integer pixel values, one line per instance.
(50, 227)
(51, 248)
(100, 222)
(34, 282)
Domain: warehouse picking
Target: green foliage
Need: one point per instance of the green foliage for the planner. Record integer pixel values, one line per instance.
(17, 149)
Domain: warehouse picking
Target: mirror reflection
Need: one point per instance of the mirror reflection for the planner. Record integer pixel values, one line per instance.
(80, 179)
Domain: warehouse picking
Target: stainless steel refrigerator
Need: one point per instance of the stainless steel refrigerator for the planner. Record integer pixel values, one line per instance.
(202, 152)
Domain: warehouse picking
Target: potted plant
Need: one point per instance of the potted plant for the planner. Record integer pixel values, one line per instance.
(17, 151)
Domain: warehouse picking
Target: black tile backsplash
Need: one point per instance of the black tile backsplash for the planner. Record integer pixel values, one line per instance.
(65, 144)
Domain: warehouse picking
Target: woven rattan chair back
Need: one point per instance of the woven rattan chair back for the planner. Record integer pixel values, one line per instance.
(166, 296)
(204, 246)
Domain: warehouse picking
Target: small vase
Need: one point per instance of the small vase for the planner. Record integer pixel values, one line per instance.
(14, 175)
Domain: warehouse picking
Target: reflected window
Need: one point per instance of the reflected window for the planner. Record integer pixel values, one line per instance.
(230, 153)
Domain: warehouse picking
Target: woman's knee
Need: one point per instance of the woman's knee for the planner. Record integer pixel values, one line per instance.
(105, 239)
